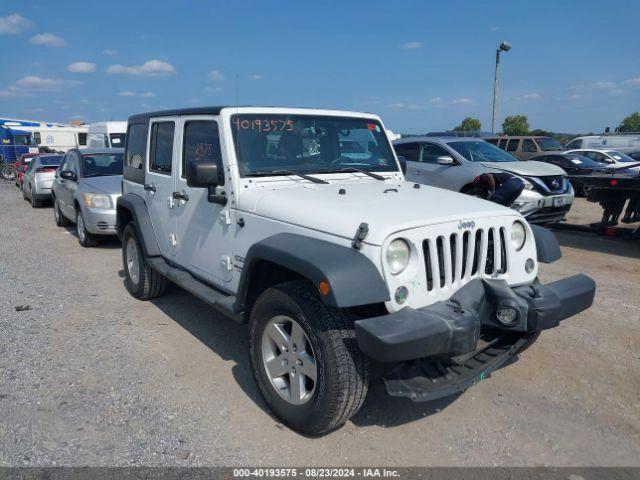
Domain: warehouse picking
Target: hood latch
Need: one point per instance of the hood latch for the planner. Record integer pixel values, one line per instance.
(361, 234)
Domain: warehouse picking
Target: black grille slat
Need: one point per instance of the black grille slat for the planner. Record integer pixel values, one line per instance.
(427, 261)
(476, 253)
(440, 256)
(453, 239)
(503, 252)
(488, 269)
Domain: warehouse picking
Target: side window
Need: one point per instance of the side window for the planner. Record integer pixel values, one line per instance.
(503, 144)
(528, 145)
(82, 139)
(512, 146)
(37, 138)
(136, 145)
(161, 154)
(430, 153)
(201, 142)
(408, 151)
(596, 156)
(577, 143)
(64, 164)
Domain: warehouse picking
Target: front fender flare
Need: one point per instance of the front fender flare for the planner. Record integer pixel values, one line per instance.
(137, 208)
(353, 279)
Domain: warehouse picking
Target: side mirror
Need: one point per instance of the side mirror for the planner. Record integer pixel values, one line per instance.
(69, 175)
(203, 174)
(403, 163)
(445, 160)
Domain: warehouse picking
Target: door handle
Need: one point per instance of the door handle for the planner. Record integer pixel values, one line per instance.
(180, 196)
(149, 187)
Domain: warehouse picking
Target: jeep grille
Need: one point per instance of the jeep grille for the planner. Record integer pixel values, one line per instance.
(450, 259)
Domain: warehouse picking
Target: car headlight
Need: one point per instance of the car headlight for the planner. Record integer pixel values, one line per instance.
(518, 235)
(397, 255)
(96, 200)
(527, 184)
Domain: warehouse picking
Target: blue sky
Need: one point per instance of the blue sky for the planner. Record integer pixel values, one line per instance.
(421, 65)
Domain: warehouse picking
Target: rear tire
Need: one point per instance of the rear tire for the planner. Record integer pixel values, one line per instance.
(142, 282)
(59, 217)
(342, 371)
(35, 203)
(85, 238)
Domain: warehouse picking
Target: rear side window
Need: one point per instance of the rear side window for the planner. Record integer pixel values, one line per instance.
(161, 154)
(408, 151)
(512, 146)
(201, 143)
(528, 145)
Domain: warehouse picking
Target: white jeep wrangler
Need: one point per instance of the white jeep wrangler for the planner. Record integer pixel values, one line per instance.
(299, 223)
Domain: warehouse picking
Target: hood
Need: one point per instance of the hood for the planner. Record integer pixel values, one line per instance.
(110, 185)
(387, 207)
(525, 168)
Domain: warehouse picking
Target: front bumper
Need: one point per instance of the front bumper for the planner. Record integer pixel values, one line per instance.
(453, 327)
(538, 208)
(100, 222)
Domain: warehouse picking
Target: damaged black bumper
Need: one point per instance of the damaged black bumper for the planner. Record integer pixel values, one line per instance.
(453, 327)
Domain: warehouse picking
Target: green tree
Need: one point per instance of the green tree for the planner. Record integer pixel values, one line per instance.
(516, 125)
(469, 124)
(631, 123)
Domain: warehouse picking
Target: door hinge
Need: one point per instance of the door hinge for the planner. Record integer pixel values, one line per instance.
(227, 262)
(225, 217)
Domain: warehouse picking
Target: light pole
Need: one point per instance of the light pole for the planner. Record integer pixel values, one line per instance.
(504, 47)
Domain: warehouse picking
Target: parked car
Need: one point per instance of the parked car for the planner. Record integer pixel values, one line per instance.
(332, 258)
(610, 158)
(525, 147)
(107, 134)
(21, 166)
(38, 177)
(635, 155)
(575, 165)
(458, 163)
(85, 191)
(622, 142)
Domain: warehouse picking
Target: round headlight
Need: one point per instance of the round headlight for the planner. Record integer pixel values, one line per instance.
(518, 235)
(397, 255)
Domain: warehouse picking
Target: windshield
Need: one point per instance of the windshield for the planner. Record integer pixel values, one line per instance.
(548, 144)
(117, 139)
(23, 140)
(51, 160)
(309, 144)
(102, 164)
(583, 161)
(481, 151)
(621, 157)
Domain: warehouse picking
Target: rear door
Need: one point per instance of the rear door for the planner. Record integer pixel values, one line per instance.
(159, 183)
(203, 229)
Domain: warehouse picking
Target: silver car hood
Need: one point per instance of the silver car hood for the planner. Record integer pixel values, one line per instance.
(525, 168)
(110, 185)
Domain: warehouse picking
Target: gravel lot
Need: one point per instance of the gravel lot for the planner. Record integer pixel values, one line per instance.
(90, 376)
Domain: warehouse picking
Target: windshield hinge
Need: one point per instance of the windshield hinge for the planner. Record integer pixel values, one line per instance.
(361, 234)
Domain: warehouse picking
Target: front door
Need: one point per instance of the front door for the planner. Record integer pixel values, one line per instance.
(203, 228)
(159, 182)
(430, 171)
(67, 192)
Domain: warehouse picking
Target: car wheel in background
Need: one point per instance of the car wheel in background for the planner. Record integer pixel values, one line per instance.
(85, 238)
(61, 220)
(142, 281)
(305, 358)
(35, 203)
(24, 193)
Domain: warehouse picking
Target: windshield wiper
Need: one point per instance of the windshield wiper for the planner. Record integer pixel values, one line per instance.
(356, 170)
(288, 172)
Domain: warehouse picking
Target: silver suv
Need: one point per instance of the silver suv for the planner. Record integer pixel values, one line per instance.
(475, 167)
(299, 223)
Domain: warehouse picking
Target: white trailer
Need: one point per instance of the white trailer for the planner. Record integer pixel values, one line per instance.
(56, 136)
(107, 134)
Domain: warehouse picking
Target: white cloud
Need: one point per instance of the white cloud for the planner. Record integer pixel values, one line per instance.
(32, 83)
(435, 100)
(493, 29)
(14, 24)
(150, 68)
(632, 81)
(129, 93)
(396, 105)
(212, 89)
(216, 76)
(604, 85)
(255, 76)
(532, 96)
(48, 40)
(110, 52)
(462, 101)
(411, 45)
(574, 96)
(82, 67)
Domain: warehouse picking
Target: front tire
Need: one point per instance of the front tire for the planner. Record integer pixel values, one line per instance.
(85, 238)
(293, 334)
(142, 282)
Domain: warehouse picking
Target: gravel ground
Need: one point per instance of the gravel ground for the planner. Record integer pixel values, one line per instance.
(90, 376)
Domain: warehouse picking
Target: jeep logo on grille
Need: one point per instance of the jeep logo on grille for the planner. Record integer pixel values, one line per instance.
(462, 225)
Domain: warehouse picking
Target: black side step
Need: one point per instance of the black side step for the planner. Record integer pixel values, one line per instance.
(220, 301)
(429, 379)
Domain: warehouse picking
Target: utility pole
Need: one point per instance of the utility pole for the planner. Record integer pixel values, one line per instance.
(504, 47)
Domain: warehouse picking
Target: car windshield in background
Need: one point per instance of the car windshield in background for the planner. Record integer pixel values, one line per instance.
(481, 151)
(23, 140)
(583, 162)
(621, 157)
(547, 144)
(309, 144)
(102, 164)
(51, 160)
(117, 139)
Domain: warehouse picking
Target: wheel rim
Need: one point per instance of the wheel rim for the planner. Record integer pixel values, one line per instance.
(133, 265)
(56, 212)
(289, 360)
(80, 228)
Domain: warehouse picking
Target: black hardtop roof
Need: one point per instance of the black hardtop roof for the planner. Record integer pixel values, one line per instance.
(144, 117)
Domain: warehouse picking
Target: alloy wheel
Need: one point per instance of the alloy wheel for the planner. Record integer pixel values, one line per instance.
(133, 264)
